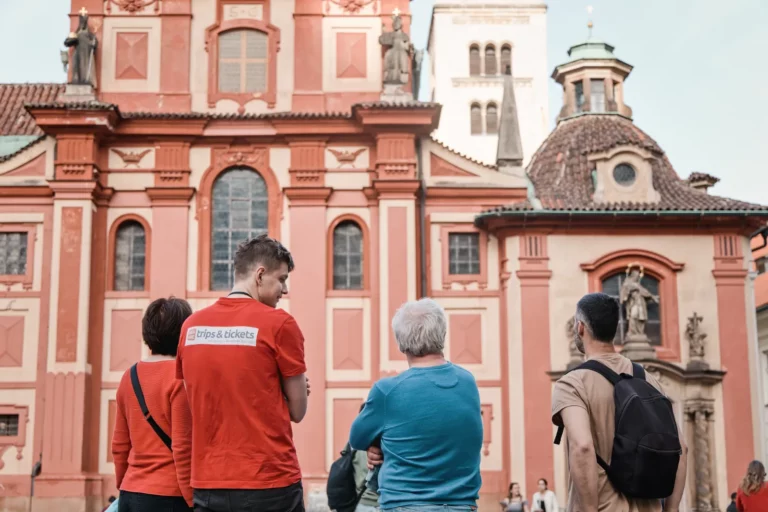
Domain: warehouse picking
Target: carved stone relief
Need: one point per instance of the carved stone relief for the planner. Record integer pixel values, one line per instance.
(700, 412)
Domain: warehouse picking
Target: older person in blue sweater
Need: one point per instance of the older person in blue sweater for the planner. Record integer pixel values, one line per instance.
(427, 420)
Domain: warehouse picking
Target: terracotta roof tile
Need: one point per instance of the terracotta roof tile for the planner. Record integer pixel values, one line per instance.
(14, 119)
(562, 175)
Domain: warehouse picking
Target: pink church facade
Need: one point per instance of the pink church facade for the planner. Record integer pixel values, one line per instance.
(145, 191)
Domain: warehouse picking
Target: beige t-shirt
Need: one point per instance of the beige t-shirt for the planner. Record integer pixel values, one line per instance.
(591, 391)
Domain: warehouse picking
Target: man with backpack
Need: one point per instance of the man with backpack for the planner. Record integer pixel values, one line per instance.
(618, 463)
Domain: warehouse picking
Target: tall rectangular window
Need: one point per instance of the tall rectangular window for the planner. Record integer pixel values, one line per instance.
(243, 61)
(464, 253)
(579, 87)
(597, 95)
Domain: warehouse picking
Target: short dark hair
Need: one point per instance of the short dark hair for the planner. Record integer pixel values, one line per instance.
(161, 325)
(733, 496)
(600, 313)
(263, 250)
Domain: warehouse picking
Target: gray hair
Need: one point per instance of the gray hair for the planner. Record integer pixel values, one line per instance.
(420, 327)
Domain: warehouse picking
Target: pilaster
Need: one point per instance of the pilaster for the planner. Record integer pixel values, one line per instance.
(170, 218)
(534, 276)
(307, 288)
(730, 281)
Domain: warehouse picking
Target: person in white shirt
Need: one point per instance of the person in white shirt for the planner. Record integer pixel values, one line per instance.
(544, 500)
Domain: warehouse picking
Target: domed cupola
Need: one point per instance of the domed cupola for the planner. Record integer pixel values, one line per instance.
(592, 80)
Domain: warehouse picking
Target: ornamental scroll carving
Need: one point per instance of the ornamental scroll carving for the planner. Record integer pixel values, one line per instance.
(132, 6)
(699, 412)
(352, 6)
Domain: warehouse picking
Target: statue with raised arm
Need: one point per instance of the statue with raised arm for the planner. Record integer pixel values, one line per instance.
(397, 59)
(634, 296)
(84, 43)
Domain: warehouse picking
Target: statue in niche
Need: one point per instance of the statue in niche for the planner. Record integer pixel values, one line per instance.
(576, 357)
(696, 342)
(634, 296)
(84, 43)
(397, 59)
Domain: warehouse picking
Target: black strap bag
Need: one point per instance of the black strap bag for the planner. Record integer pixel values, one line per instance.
(646, 444)
(341, 488)
(143, 405)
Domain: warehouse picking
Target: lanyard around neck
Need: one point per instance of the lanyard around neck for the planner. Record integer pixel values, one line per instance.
(241, 293)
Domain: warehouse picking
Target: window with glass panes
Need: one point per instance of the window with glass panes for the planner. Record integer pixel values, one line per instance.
(579, 92)
(130, 256)
(463, 253)
(243, 61)
(240, 210)
(9, 425)
(597, 96)
(491, 119)
(13, 254)
(347, 256)
(612, 287)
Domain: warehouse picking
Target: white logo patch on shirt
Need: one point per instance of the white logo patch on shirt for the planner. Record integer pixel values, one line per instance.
(230, 335)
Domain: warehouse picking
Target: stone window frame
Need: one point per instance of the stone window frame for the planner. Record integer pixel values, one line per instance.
(112, 256)
(366, 289)
(481, 278)
(661, 268)
(639, 158)
(20, 439)
(27, 278)
(486, 119)
(478, 66)
(212, 34)
(222, 160)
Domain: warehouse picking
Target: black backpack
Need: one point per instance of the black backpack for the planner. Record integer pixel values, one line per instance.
(646, 444)
(341, 487)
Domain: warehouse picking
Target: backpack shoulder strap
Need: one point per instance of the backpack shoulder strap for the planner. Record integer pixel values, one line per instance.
(595, 366)
(638, 371)
(143, 406)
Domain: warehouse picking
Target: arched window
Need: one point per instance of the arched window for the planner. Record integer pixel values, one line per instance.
(240, 210)
(506, 58)
(491, 119)
(490, 60)
(347, 256)
(649, 285)
(243, 61)
(476, 118)
(130, 257)
(474, 60)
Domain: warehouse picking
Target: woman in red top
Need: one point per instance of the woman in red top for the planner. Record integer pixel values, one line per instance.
(753, 493)
(151, 476)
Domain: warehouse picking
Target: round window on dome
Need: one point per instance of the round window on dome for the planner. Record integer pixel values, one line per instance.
(624, 174)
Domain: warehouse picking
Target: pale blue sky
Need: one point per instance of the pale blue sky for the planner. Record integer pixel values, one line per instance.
(699, 87)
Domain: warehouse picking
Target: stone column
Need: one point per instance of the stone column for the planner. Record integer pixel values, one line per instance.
(699, 412)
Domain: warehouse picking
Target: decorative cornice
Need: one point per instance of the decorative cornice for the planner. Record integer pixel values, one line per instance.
(170, 196)
(308, 196)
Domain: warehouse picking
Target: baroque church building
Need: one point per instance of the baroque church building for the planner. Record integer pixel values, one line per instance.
(187, 127)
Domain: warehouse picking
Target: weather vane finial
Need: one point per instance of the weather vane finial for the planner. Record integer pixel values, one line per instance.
(395, 12)
(589, 21)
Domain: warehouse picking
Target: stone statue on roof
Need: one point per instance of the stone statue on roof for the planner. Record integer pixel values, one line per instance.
(84, 44)
(397, 59)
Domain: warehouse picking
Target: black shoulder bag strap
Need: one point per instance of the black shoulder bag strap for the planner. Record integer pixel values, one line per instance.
(595, 366)
(143, 405)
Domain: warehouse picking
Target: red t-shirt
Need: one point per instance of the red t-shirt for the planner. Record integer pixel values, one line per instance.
(232, 356)
(755, 502)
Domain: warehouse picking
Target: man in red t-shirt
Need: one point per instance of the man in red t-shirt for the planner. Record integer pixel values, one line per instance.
(242, 361)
